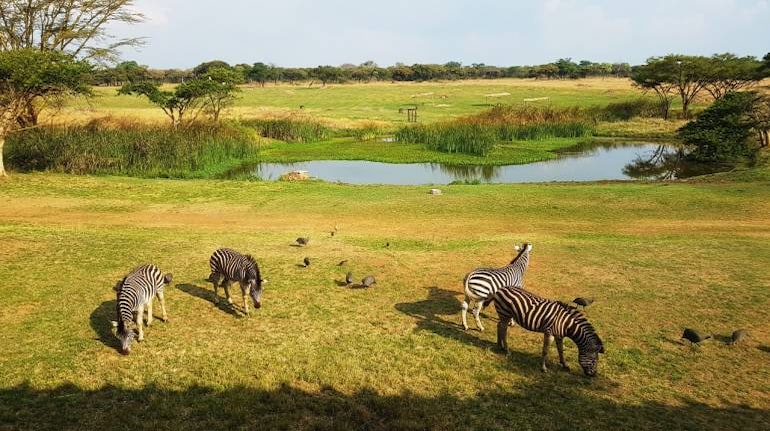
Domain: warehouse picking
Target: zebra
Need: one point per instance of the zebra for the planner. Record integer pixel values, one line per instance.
(554, 319)
(135, 291)
(229, 265)
(482, 283)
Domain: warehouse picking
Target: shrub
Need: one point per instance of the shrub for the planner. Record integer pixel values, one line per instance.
(292, 129)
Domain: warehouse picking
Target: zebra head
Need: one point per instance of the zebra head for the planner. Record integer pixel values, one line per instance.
(255, 290)
(124, 332)
(588, 357)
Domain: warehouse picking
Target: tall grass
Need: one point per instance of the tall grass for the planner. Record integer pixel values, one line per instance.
(465, 138)
(135, 150)
(479, 133)
(292, 129)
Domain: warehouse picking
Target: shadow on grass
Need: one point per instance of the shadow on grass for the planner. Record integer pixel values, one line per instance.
(533, 405)
(101, 322)
(207, 295)
(441, 302)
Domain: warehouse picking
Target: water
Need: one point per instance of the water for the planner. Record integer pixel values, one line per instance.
(595, 162)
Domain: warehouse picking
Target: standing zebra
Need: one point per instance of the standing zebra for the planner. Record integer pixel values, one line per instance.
(482, 283)
(229, 265)
(135, 291)
(555, 320)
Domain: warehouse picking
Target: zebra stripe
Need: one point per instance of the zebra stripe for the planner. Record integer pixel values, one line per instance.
(229, 265)
(482, 283)
(135, 291)
(554, 319)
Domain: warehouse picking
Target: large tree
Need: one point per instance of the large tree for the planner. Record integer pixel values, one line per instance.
(74, 27)
(221, 87)
(656, 76)
(29, 76)
(728, 72)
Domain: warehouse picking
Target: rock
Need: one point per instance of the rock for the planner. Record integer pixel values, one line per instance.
(435, 191)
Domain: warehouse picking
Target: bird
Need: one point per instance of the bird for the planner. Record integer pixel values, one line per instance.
(738, 336)
(368, 281)
(349, 279)
(583, 302)
(302, 241)
(306, 261)
(342, 262)
(331, 233)
(387, 244)
(694, 336)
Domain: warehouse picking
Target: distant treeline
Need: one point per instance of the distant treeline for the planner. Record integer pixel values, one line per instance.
(261, 73)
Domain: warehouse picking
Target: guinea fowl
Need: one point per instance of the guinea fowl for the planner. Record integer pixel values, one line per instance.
(738, 336)
(694, 336)
(342, 262)
(302, 241)
(306, 261)
(368, 281)
(583, 302)
(349, 279)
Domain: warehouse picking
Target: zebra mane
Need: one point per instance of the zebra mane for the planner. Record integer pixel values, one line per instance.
(592, 338)
(253, 266)
(251, 259)
(521, 252)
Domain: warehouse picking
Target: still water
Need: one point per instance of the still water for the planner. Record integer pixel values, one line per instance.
(611, 161)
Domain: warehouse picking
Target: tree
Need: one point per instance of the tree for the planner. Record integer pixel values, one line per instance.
(721, 132)
(260, 72)
(204, 68)
(727, 72)
(130, 71)
(657, 76)
(28, 76)
(327, 74)
(74, 27)
(187, 98)
(221, 89)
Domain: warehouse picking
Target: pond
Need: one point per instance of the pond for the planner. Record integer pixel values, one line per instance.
(588, 162)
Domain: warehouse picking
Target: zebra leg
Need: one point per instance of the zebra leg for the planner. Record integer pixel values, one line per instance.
(560, 349)
(226, 284)
(476, 312)
(162, 300)
(149, 312)
(140, 323)
(546, 344)
(214, 279)
(502, 335)
(465, 314)
(245, 291)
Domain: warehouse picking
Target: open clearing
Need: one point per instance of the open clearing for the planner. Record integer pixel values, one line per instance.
(657, 258)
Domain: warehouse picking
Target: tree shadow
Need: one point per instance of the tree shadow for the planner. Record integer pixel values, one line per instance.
(101, 322)
(536, 404)
(208, 296)
(441, 302)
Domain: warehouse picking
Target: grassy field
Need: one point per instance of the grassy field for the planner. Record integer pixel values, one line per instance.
(657, 258)
(351, 104)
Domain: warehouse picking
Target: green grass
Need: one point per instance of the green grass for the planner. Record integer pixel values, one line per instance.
(516, 152)
(656, 257)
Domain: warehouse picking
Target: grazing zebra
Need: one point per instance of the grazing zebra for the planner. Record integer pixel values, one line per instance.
(135, 291)
(229, 265)
(554, 319)
(482, 283)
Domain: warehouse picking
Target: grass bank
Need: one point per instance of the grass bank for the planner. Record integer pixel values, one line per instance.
(320, 356)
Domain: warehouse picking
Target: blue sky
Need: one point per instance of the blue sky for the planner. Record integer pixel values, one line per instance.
(183, 33)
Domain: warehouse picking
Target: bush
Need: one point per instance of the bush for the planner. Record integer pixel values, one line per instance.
(721, 132)
(144, 151)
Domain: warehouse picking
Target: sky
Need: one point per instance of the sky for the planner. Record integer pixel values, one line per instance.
(184, 33)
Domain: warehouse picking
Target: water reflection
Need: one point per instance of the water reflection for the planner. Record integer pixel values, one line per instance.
(592, 162)
(667, 163)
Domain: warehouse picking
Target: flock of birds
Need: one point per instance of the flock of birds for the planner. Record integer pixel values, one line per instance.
(366, 282)
(696, 337)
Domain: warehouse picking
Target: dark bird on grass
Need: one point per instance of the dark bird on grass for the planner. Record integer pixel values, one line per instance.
(583, 302)
(368, 281)
(738, 336)
(387, 244)
(349, 278)
(306, 261)
(694, 336)
(342, 262)
(302, 241)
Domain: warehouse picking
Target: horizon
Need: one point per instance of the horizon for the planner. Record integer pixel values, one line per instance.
(434, 32)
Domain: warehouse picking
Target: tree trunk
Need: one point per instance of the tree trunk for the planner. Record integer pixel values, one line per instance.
(2, 167)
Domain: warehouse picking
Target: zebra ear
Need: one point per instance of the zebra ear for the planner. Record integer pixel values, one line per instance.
(601, 349)
(168, 278)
